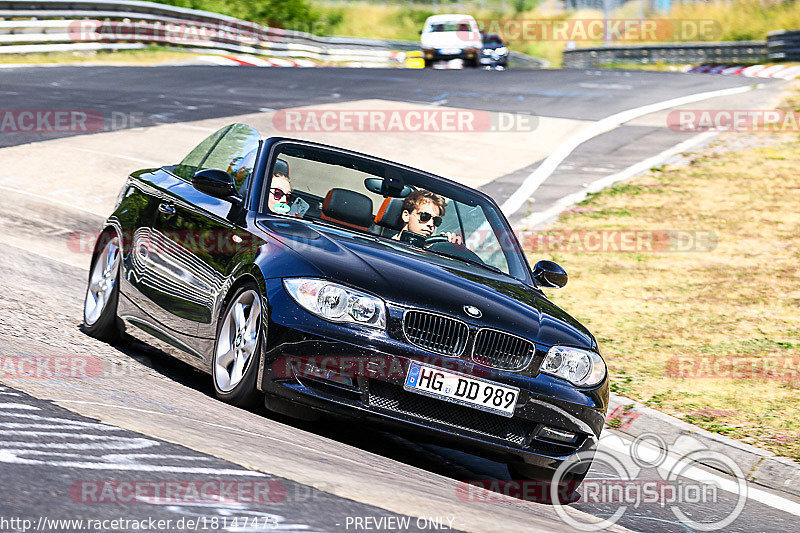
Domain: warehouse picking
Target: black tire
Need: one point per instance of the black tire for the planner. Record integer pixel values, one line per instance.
(242, 393)
(104, 327)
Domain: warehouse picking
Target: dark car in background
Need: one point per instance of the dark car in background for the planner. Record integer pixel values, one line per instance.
(324, 304)
(494, 52)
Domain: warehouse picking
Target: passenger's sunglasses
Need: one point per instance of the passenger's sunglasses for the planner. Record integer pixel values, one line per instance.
(278, 194)
(425, 217)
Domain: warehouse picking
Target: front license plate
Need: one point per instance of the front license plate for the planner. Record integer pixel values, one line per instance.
(449, 51)
(464, 390)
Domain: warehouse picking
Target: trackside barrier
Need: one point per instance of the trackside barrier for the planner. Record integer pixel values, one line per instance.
(783, 45)
(75, 25)
(739, 52)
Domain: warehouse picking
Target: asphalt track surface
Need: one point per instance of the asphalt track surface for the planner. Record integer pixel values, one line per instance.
(50, 470)
(193, 92)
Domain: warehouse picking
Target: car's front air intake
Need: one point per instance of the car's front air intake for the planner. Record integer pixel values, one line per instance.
(501, 350)
(436, 333)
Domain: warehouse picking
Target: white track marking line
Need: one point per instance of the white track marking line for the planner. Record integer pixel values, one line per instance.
(597, 185)
(697, 474)
(551, 163)
(18, 406)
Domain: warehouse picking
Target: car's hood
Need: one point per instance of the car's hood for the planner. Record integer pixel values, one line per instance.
(418, 278)
(449, 39)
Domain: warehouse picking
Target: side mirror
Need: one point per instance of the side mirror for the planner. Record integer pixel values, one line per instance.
(549, 274)
(216, 183)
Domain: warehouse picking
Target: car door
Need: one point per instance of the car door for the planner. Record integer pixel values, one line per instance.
(196, 239)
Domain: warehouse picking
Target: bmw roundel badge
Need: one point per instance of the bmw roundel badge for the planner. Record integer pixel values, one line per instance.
(473, 311)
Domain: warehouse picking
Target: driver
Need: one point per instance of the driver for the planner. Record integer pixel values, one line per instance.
(422, 214)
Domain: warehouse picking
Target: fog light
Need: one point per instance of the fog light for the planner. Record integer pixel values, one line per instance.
(556, 434)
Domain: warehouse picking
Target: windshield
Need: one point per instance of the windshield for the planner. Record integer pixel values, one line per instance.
(392, 203)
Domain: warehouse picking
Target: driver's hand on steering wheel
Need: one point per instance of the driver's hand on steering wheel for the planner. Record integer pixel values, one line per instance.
(455, 238)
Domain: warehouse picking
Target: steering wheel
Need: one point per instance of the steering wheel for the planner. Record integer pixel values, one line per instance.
(433, 239)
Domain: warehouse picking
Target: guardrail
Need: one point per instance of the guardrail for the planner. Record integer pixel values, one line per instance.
(739, 52)
(73, 25)
(783, 45)
(64, 25)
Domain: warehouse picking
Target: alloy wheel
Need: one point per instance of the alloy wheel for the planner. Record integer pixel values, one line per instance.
(238, 338)
(102, 281)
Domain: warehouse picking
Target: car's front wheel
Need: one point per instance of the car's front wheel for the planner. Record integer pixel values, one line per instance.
(102, 294)
(235, 360)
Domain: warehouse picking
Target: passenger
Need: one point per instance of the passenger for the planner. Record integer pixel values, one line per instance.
(280, 194)
(422, 214)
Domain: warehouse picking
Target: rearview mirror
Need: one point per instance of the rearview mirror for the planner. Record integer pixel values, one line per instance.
(387, 187)
(216, 183)
(549, 274)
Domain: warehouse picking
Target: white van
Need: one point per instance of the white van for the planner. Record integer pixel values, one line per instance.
(446, 37)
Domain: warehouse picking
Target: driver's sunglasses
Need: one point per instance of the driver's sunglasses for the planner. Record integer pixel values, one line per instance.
(278, 194)
(424, 217)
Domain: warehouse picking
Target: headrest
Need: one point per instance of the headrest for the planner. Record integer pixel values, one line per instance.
(390, 214)
(282, 167)
(346, 207)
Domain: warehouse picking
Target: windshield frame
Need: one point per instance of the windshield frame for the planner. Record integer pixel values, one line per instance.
(272, 146)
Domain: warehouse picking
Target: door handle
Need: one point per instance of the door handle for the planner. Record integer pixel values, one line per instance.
(166, 210)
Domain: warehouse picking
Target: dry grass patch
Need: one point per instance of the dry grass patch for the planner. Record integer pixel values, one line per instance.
(709, 335)
(147, 56)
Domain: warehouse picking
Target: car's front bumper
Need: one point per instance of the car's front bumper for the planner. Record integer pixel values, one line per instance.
(491, 60)
(436, 54)
(359, 374)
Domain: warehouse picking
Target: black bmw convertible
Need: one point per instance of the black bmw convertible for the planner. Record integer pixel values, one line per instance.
(330, 283)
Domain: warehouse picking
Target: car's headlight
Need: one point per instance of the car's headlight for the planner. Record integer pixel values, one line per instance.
(501, 51)
(580, 367)
(487, 51)
(337, 303)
